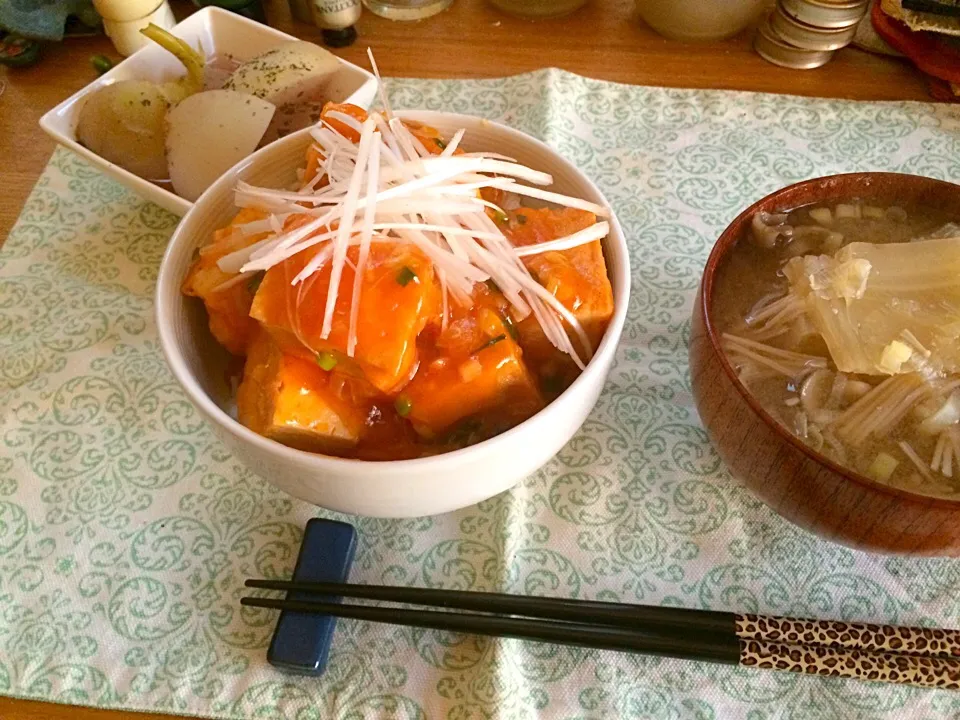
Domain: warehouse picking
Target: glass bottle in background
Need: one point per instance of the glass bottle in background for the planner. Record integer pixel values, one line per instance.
(406, 9)
(538, 8)
(336, 19)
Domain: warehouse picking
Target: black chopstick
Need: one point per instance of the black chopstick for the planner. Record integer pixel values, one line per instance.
(591, 612)
(724, 650)
(928, 642)
(921, 671)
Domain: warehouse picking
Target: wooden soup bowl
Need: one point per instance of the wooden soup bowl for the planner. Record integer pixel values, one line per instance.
(795, 481)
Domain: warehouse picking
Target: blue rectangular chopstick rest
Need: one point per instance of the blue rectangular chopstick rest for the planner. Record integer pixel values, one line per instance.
(301, 642)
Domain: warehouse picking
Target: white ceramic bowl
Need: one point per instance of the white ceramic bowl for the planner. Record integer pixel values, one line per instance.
(404, 488)
(216, 32)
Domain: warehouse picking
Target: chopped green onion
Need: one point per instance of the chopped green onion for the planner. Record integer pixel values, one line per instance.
(403, 405)
(490, 343)
(511, 327)
(441, 144)
(101, 63)
(882, 467)
(405, 276)
(522, 219)
(327, 361)
(253, 284)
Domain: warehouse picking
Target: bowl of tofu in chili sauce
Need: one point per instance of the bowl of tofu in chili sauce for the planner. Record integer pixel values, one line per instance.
(395, 314)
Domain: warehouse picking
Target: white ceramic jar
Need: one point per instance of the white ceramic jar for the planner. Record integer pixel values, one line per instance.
(699, 19)
(123, 20)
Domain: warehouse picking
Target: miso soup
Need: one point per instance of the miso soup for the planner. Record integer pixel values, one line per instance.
(843, 320)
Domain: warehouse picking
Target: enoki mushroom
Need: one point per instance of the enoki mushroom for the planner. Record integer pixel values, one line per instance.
(754, 358)
(946, 453)
(877, 412)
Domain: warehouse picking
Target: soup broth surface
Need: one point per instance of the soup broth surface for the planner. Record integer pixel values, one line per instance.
(810, 401)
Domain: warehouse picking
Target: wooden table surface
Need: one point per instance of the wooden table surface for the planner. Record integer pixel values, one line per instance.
(603, 40)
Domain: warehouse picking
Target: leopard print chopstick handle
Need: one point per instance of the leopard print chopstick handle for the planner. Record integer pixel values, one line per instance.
(914, 670)
(928, 642)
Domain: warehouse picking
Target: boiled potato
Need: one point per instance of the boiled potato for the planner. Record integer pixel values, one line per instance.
(210, 132)
(124, 124)
(289, 74)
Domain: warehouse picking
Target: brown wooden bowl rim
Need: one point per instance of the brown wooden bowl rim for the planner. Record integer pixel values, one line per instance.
(720, 249)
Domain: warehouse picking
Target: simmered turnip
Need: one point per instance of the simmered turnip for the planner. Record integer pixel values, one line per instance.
(210, 132)
(289, 74)
(124, 124)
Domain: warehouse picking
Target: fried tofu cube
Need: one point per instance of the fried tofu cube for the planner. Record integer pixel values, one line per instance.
(227, 298)
(490, 378)
(571, 276)
(290, 400)
(576, 277)
(399, 296)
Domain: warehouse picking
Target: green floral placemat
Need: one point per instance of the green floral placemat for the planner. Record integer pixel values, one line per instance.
(126, 530)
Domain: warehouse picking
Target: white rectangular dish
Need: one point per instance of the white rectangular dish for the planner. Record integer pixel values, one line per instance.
(215, 32)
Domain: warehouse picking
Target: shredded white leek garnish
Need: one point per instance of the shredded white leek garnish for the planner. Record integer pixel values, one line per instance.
(389, 188)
